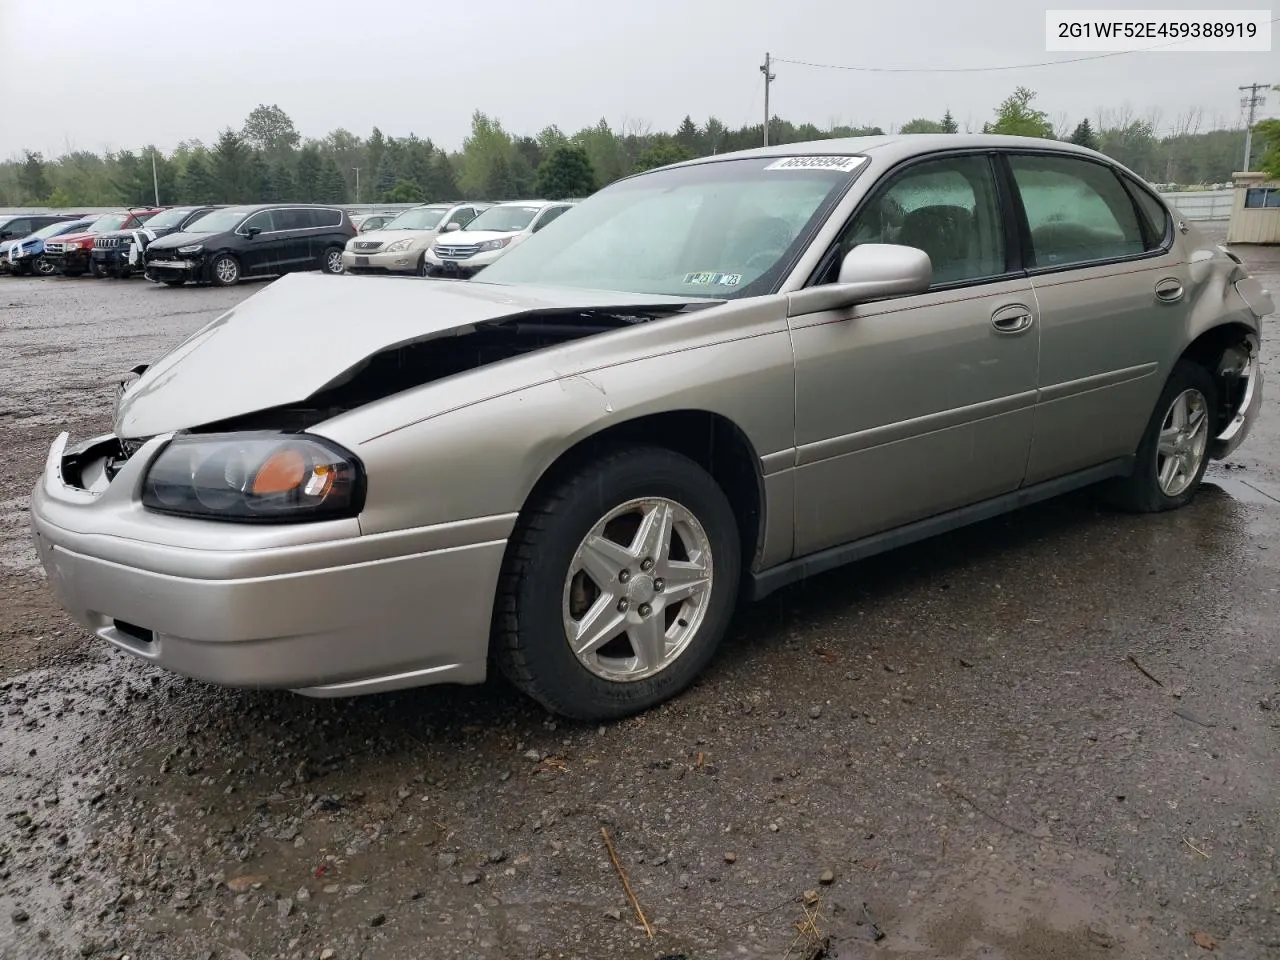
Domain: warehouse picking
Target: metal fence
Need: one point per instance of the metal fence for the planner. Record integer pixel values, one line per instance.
(1205, 205)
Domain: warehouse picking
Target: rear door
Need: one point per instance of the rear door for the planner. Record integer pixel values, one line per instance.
(1113, 295)
(295, 225)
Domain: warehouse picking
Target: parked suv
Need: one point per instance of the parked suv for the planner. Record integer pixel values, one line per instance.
(489, 236)
(71, 254)
(264, 240)
(399, 247)
(25, 255)
(15, 227)
(118, 253)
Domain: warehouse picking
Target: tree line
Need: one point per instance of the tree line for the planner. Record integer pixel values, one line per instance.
(267, 158)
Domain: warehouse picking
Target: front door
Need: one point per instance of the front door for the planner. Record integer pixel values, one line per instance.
(912, 406)
(1113, 294)
(264, 250)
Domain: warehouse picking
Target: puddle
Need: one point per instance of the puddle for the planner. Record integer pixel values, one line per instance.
(1246, 491)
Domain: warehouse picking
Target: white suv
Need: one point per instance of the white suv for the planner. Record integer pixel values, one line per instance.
(501, 227)
(398, 247)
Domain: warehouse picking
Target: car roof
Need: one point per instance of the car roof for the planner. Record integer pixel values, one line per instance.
(530, 203)
(894, 147)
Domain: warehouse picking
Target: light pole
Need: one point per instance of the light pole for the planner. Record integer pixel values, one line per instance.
(357, 170)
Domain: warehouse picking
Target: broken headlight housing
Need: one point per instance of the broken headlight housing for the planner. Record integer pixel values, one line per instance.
(254, 478)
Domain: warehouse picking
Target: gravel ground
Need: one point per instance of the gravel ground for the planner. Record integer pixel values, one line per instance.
(945, 753)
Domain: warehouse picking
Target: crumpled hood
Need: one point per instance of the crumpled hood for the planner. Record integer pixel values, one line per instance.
(305, 330)
(174, 240)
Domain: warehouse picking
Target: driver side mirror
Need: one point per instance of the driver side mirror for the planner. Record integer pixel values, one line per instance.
(451, 227)
(252, 232)
(870, 271)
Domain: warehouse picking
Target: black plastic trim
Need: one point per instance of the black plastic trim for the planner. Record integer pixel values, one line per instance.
(765, 582)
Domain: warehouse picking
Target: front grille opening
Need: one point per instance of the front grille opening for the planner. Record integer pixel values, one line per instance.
(134, 632)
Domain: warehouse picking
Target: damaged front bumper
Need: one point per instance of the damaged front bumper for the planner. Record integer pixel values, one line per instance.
(1242, 369)
(188, 269)
(318, 608)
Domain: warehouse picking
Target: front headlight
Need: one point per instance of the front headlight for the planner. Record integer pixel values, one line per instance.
(254, 477)
(400, 245)
(493, 244)
(193, 248)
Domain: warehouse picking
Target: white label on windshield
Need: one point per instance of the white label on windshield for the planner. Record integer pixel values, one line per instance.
(839, 164)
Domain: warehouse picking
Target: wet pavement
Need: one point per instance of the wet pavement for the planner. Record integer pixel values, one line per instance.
(1049, 737)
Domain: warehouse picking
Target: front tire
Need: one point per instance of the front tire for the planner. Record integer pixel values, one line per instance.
(43, 267)
(1174, 452)
(618, 585)
(225, 270)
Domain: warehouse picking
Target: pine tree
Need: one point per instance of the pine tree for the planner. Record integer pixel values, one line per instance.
(949, 122)
(1083, 135)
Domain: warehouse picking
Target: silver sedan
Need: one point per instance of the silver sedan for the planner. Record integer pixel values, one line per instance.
(702, 383)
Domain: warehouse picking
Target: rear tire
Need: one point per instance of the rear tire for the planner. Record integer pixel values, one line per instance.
(577, 564)
(1174, 452)
(331, 262)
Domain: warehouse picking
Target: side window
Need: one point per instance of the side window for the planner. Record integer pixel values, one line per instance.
(291, 219)
(1259, 197)
(1077, 210)
(323, 219)
(551, 213)
(261, 220)
(948, 208)
(1154, 210)
(463, 216)
(16, 228)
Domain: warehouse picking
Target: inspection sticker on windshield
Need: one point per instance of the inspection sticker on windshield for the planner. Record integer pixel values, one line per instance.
(839, 164)
(721, 279)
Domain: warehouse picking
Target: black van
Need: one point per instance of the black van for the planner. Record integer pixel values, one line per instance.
(19, 225)
(262, 240)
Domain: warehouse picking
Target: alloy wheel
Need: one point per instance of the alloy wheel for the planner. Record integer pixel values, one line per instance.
(1184, 438)
(637, 589)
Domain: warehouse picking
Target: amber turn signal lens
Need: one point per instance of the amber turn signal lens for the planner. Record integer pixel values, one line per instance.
(283, 471)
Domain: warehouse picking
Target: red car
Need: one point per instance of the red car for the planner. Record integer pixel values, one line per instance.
(71, 254)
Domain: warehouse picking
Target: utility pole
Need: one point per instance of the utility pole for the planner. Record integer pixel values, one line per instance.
(357, 170)
(155, 180)
(768, 79)
(1252, 102)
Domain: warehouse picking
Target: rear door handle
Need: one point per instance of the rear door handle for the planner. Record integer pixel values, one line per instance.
(1011, 319)
(1169, 290)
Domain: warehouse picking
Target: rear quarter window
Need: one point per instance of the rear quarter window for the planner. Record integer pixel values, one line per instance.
(325, 219)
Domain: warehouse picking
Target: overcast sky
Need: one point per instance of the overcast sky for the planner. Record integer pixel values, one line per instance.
(101, 76)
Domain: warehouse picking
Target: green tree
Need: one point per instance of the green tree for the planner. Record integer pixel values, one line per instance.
(602, 147)
(486, 160)
(233, 170)
(663, 152)
(443, 184)
(196, 183)
(278, 184)
(308, 173)
(1268, 131)
(1083, 135)
(921, 125)
(1017, 117)
(949, 123)
(59, 199)
(32, 182)
(406, 191)
(374, 150)
(566, 172)
(331, 186)
(269, 129)
(688, 136)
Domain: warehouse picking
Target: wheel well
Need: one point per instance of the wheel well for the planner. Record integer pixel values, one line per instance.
(713, 442)
(1223, 351)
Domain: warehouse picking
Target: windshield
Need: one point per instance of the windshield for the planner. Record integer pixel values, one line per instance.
(219, 221)
(719, 230)
(504, 219)
(108, 221)
(56, 228)
(420, 218)
(169, 218)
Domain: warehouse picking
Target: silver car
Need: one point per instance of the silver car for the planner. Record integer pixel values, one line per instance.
(712, 380)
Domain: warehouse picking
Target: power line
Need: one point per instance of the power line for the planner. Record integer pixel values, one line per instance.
(1012, 66)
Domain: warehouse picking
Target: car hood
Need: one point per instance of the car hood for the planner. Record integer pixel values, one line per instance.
(305, 331)
(462, 238)
(171, 240)
(389, 236)
(73, 237)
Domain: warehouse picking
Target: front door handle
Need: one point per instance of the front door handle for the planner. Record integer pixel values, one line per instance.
(1014, 318)
(1169, 290)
